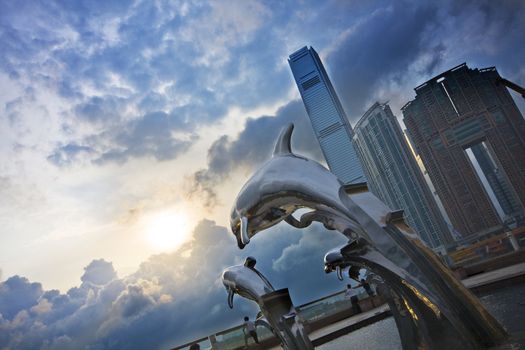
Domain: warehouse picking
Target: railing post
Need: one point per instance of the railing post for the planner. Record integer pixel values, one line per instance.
(213, 342)
(513, 241)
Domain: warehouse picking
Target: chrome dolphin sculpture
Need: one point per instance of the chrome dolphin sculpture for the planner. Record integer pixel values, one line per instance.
(284, 184)
(379, 240)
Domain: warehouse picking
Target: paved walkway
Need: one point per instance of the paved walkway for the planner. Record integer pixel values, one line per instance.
(350, 321)
(495, 276)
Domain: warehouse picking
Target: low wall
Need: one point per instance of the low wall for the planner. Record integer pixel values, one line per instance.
(365, 305)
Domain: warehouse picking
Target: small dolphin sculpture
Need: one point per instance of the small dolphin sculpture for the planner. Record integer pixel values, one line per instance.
(246, 281)
(279, 314)
(335, 261)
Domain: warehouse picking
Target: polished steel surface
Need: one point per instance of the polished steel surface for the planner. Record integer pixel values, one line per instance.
(438, 311)
(279, 314)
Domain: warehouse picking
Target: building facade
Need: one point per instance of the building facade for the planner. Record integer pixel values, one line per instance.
(394, 176)
(470, 136)
(328, 119)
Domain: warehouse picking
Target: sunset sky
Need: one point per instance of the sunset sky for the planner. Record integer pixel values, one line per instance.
(128, 127)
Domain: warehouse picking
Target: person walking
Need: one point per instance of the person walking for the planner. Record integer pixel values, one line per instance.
(249, 327)
(367, 287)
(352, 295)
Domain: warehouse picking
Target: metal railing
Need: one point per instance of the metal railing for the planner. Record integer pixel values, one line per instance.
(313, 311)
(501, 244)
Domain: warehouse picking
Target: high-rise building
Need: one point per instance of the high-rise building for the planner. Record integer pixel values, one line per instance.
(329, 121)
(394, 176)
(471, 138)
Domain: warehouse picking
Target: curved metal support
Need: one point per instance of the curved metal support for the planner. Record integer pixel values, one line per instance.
(288, 182)
(297, 223)
(230, 298)
(420, 323)
(263, 322)
(339, 272)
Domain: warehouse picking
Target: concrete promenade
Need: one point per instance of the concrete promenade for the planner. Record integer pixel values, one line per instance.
(337, 329)
(496, 276)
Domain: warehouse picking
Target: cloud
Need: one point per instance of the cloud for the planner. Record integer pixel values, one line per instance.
(100, 109)
(167, 300)
(70, 153)
(385, 58)
(153, 134)
(234, 24)
(122, 67)
(17, 294)
(252, 147)
(99, 272)
(379, 49)
(308, 249)
(132, 80)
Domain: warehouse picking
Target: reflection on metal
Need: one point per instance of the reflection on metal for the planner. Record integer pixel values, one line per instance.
(387, 247)
(424, 299)
(279, 314)
(412, 313)
(246, 281)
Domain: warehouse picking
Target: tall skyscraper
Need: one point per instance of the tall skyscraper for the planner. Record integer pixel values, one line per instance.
(471, 138)
(329, 121)
(394, 176)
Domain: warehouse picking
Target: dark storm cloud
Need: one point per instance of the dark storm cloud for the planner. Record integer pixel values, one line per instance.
(252, 147)
(405, 39)
(170, 299)
(384, 44)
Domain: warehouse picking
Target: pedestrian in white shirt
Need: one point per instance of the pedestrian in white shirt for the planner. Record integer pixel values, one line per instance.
(249, 327)
(352, 295)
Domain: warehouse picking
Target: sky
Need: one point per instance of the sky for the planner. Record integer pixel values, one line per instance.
(128, 127)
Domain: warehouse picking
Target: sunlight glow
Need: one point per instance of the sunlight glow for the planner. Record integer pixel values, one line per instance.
(167, 230)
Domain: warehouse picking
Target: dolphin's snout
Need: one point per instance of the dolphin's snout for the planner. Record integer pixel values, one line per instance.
(237, 233)
(235, 224)
(230, 297)
(239, 228)
(339, 272)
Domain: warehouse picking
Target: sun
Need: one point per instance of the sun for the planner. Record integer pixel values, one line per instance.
(167, 230)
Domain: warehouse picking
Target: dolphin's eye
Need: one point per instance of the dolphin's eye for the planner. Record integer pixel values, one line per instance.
(274, 213)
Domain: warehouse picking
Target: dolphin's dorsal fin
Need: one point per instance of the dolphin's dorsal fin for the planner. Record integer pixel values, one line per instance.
(284, 142)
